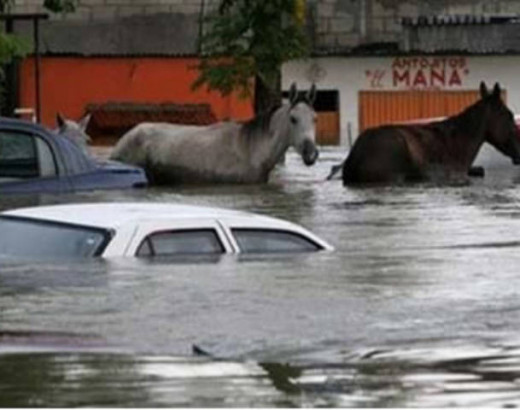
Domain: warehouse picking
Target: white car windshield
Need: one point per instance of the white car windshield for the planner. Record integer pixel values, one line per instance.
(28, 238)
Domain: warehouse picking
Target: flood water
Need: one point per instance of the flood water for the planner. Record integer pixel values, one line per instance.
(418, 306)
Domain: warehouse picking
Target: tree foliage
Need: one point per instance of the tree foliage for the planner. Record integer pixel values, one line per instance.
(251, 39)
(56, 6)
(13, 46)
(60, 6)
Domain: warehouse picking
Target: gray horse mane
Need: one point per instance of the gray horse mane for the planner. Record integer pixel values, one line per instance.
(302, 98)
(258, 125)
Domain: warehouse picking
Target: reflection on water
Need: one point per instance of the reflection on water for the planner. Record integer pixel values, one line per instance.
(460, 376)
(417, 306)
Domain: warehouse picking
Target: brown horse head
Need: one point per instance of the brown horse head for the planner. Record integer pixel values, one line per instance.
(501, 130)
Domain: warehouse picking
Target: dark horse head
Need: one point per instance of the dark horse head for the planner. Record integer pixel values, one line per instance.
(501, 130)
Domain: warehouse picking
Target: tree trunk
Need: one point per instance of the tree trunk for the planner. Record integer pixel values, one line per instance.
(267, 97)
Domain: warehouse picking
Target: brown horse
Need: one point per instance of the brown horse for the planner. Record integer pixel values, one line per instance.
(438, 151)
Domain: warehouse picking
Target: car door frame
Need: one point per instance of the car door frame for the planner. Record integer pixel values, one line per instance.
(35, 129)
(60, 181)
(147, 228)
(230, 223)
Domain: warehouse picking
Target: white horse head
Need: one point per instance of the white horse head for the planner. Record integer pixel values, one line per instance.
(302, 123)
(75, 131)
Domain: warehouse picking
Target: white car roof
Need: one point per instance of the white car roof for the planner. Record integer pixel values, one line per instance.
(125, 218)
(112, 215)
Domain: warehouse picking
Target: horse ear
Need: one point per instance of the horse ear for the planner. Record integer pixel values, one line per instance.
(293, 94)
(496, 90)
(83, 123)
(311, 96)
(60, 121)
(483, 90)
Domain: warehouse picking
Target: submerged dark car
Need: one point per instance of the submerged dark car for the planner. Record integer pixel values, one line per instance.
(36, 160)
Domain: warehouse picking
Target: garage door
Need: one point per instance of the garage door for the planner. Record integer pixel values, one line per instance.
(387, 107)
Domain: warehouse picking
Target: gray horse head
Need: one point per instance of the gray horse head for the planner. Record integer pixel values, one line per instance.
(303, 124)
(75, 131)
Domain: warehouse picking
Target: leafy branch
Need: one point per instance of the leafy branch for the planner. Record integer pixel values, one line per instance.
(13, 46)
(250, 39)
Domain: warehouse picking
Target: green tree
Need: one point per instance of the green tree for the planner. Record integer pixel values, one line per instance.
(251, 39)
(55, 6)
(13, 46)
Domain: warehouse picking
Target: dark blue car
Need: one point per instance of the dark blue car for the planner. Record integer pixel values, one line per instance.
(36, 160)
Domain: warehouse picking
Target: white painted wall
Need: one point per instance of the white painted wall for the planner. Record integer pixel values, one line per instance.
(351, 75)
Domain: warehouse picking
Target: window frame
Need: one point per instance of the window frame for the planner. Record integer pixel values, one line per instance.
(148, 239)
(107, 234)
(234, 229)
(146, 227)
(49, 147)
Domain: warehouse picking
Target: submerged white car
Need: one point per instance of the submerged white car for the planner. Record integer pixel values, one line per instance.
(146, 230)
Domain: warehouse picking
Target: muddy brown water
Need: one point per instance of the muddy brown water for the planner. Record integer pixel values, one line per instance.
(418, 306)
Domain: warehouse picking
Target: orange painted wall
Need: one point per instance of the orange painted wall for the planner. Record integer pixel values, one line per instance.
(68, 84)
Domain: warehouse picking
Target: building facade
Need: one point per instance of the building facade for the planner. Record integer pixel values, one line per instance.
(372, 91)
(374, 61)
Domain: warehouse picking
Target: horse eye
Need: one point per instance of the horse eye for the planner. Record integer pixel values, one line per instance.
(294, 120)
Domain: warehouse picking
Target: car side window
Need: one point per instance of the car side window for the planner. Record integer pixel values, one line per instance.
(181, 242)
(24, 156)
(272, 241)
(46, 163)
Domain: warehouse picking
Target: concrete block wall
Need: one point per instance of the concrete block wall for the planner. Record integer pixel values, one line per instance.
(336, 23)
(99, 10)
(347, 23)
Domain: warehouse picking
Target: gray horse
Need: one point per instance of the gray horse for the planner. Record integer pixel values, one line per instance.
(75, 131)
(226, 152)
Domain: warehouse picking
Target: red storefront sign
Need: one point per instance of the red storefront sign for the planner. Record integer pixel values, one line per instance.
(421, 73)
